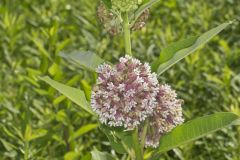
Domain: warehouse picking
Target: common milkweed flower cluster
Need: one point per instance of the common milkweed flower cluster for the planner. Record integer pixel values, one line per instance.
(127, 94)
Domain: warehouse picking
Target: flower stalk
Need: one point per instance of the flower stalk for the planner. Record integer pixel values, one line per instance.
(127, 34)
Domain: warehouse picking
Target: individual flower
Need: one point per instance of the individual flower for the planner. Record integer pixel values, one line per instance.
(166, 116)
(126, 5)
(125, 94)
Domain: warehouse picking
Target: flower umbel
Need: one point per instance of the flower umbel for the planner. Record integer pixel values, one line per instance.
(167, 115)
(125, 94)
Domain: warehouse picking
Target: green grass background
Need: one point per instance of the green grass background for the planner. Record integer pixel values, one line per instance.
(38, 123)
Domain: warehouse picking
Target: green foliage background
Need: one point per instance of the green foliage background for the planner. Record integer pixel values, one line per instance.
(36, 122)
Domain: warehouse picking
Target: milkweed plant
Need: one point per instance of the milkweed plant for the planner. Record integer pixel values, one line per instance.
(141, 117)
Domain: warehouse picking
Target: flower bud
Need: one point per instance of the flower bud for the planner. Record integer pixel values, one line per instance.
(141, 21)
(112, 22)
(125, 5)
(109, 21)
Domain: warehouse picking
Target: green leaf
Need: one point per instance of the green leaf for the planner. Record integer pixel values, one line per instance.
(168, 53)
(113, 139)
(8, 146)
(107, 3)
(174, 55)
(195, 129)
(71, 156)
(81, 131)
(96, 155)
(38, 134)
(85, 59)
(74, 94)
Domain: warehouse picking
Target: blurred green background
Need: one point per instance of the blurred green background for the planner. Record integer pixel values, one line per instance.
(37, 123)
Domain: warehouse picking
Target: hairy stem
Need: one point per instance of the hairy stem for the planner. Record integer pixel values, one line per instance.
(127, 34)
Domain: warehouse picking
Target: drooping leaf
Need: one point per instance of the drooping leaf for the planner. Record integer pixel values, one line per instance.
(96, 155)
(74, 94)
(85, 59)
(195, 129)
(174, 55)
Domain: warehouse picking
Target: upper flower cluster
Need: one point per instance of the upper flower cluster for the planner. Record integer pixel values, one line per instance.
(127, 94)
(112, 22)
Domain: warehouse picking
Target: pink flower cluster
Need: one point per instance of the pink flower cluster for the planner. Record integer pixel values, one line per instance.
(125, 94)
(167, 115)
(128, 93)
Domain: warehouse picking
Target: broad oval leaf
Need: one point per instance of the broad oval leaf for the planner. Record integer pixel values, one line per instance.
(195, 129)
(85, 59)
(176, 55)
(74, 94)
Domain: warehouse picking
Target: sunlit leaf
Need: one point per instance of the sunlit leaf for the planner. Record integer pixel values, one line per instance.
(71, 156)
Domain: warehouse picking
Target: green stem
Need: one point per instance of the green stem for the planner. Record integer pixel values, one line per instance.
(137, 148)
(127, 34)
(143, 135)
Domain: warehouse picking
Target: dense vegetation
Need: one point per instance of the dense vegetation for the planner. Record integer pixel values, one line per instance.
(36, 122)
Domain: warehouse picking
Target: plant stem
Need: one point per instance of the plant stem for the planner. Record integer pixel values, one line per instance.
(137, 147)
(143, 135)
(127, 34)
